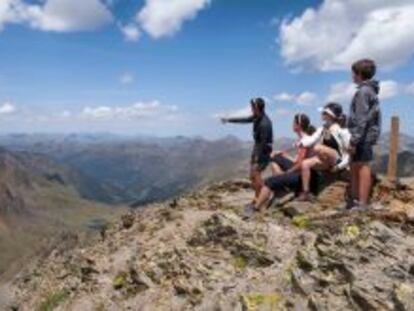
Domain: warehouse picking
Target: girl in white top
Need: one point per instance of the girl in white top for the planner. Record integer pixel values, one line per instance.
(330, 143)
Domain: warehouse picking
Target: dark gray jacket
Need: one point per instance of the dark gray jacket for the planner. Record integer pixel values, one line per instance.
(262, 131)
(364, 121)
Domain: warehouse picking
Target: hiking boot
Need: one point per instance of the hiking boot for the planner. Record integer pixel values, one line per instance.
(249, 211)
(306, 197)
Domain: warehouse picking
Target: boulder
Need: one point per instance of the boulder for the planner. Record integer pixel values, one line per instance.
(127, 220)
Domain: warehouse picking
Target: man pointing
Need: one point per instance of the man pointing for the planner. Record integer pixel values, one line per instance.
(263, 141)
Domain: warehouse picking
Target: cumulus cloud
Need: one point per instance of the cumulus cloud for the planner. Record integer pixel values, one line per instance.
(410, 89)
(236, 113)
(338, 32)
(343, 92)
(389, 89)
(56, 15)
(131, 32)
(9, 12)
(7, 108)
(65, 114)
(284, 97)
(247, 111)
(159, 18)
(140, 110)
(162, 18)
(304, 98)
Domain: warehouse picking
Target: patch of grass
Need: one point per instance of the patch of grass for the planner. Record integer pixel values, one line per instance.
(253, 302)
(301, 221)
(53, 300)
(352, 231)
(120, 280)
(240, 263)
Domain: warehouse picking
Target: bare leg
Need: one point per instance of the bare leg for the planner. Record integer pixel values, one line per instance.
(264, 197)
(365, 183)
(276, 170)
(327, 155)
(257, 181)
(355, 168)
(307, 165)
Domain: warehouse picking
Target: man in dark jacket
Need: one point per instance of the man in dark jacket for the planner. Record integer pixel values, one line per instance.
(263, 141)
(365, 126)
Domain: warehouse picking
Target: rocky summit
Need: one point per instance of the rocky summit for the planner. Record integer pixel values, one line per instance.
(197, 252)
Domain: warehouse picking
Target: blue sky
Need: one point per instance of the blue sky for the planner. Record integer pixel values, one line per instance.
(173, 67)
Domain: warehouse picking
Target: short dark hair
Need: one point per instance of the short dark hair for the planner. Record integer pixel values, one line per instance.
(259, 103)
(365, 68)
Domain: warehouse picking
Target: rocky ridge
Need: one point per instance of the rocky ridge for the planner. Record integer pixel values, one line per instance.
(197, 253)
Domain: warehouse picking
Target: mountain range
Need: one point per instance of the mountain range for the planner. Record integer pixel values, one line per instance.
(133, 171)
(51, 184)
(35, 209)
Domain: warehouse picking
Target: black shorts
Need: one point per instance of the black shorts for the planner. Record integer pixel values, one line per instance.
(260, 160)
(364, 153)
(289, 181)
(284, 163)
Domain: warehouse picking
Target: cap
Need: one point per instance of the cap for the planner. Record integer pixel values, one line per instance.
(332, 109)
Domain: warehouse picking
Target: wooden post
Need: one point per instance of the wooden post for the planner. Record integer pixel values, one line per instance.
(393, 157)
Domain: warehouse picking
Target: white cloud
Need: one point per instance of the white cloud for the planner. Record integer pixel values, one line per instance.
(388, 89)
(161, 18)
(65, 114)
(140, 110)
(339, 32)
(237, 113)
(131, 32)
(304, 98)
(56, 15)
(9, 12)
(343, 92)
(126, 78)
(284, 97)
(247, 111)
(409, 89)
(7, 108)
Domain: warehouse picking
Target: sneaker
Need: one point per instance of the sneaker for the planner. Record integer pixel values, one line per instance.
(358, 207)
(350, 203)
(249, 211)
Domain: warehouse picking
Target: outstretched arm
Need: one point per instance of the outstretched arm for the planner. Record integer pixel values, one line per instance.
(238, 120)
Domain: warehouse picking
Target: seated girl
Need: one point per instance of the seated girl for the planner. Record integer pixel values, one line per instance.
(287, 175)
(330, 145)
